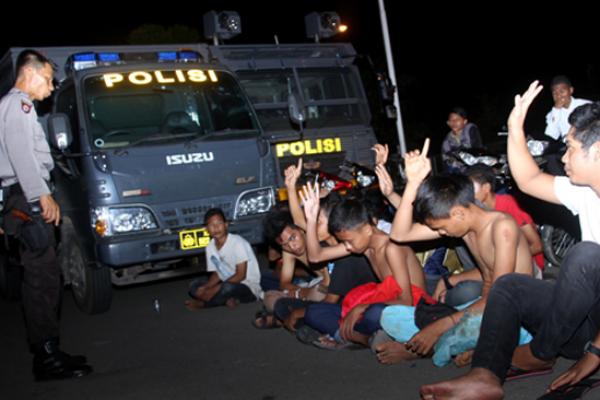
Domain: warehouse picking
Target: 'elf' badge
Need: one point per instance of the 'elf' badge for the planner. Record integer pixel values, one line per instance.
(26, 107)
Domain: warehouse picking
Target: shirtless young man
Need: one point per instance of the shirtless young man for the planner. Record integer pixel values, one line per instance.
(354, 228)
(444, 206)
(563, 316)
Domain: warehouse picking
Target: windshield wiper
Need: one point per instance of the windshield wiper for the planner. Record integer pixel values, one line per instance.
(227, 131)
(154, 137)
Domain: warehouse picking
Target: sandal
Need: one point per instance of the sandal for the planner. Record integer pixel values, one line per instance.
(264, 320)
(572, 392)
(326, 342)
(515, 373)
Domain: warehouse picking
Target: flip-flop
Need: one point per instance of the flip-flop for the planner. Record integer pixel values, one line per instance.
(572, 392)
(330, 343)
(264, 321)
(307, 335)
(515, 373)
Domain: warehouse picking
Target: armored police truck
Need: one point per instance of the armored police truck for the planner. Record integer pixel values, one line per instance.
(145, 140)
(325, 79)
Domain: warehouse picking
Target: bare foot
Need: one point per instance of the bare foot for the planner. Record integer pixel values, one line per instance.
(463, 359)
(231, 302)
(194, 304)
(479, 384)
(523, 358)
(393, 352)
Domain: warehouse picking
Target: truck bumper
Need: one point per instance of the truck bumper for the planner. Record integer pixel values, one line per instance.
(125, 251)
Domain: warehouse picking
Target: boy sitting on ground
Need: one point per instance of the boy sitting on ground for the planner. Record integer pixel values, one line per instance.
(401, 275)
(235, 275)
(444, 206)
(281, 231)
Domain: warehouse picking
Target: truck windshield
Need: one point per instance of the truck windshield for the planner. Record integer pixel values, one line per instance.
(332, 97)
(130, 108)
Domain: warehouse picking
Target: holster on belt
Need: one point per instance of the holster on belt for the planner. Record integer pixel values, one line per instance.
(20, 222)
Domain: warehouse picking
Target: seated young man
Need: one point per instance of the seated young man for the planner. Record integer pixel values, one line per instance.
(401, 275)
(484, 183)
(444, 206)
(281, 231)
(235, 275)
(564, 317)
(346, 272)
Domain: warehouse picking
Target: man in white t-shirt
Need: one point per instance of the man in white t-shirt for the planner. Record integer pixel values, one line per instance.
(563, 316)
(235, 275)
(557, 120)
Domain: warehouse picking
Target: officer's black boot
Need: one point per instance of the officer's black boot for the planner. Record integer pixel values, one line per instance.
(51, 363)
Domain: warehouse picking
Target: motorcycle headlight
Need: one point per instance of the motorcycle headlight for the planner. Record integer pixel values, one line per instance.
(467, 158)
(487, 160)
(108, 221)
(253, 202)
(537, 147)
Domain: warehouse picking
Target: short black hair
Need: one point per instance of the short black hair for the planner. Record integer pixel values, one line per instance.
(460, 111)
(586, 120)
(560, 79)
(275, 222)
(438, 194)
(348, 215)
(327, 203)
(32, 58)
(212, 212)
(482, 174)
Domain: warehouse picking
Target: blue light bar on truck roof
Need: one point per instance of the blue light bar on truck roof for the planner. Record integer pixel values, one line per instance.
(184, 56)
(81, 61)
(89, 60)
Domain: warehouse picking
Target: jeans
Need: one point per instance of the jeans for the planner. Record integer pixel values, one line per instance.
(325, 318)
(228, 290)
(463, 292)
(562, 316)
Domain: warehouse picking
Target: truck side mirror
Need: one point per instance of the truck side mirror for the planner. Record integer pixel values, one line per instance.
(59, 131)
(296, 109)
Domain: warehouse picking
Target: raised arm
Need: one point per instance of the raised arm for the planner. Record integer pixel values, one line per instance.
(386, 186)
(316, 253)
(292, 173)
(523, 168)
(417, 167)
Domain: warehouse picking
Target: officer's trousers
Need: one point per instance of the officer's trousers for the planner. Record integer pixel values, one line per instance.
(41, 278)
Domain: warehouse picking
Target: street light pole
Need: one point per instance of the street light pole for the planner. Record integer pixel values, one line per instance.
(392, 75)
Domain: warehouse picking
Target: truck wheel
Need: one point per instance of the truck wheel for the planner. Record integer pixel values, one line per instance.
(90, 284)
(11, 277)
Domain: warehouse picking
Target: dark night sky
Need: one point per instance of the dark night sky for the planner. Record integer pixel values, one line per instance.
(476, 56)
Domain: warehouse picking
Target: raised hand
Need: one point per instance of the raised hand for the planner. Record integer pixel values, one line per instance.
(292, 173)
(310, 198)
(385, 180)
(416, 164)
(381, 153)
(522, 103)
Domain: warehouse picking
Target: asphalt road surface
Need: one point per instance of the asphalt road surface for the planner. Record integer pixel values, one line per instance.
(214, 354)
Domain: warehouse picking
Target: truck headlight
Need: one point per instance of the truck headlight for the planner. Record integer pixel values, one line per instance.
(254, 201)
(108, 221)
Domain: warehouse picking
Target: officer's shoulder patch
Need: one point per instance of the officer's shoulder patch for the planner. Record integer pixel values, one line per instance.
(26, 107)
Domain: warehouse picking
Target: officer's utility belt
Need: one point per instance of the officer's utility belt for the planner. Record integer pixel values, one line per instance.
(15, 189)
(23, 221)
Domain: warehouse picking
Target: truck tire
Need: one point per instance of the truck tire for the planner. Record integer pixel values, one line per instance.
(11, 277)
(90, 283)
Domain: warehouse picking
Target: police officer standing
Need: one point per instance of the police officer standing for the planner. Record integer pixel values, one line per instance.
(31, 214)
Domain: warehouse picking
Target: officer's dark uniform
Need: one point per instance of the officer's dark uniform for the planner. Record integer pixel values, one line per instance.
(25, 165)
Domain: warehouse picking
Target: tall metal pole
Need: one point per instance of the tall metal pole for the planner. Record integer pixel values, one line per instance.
(392, 74)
